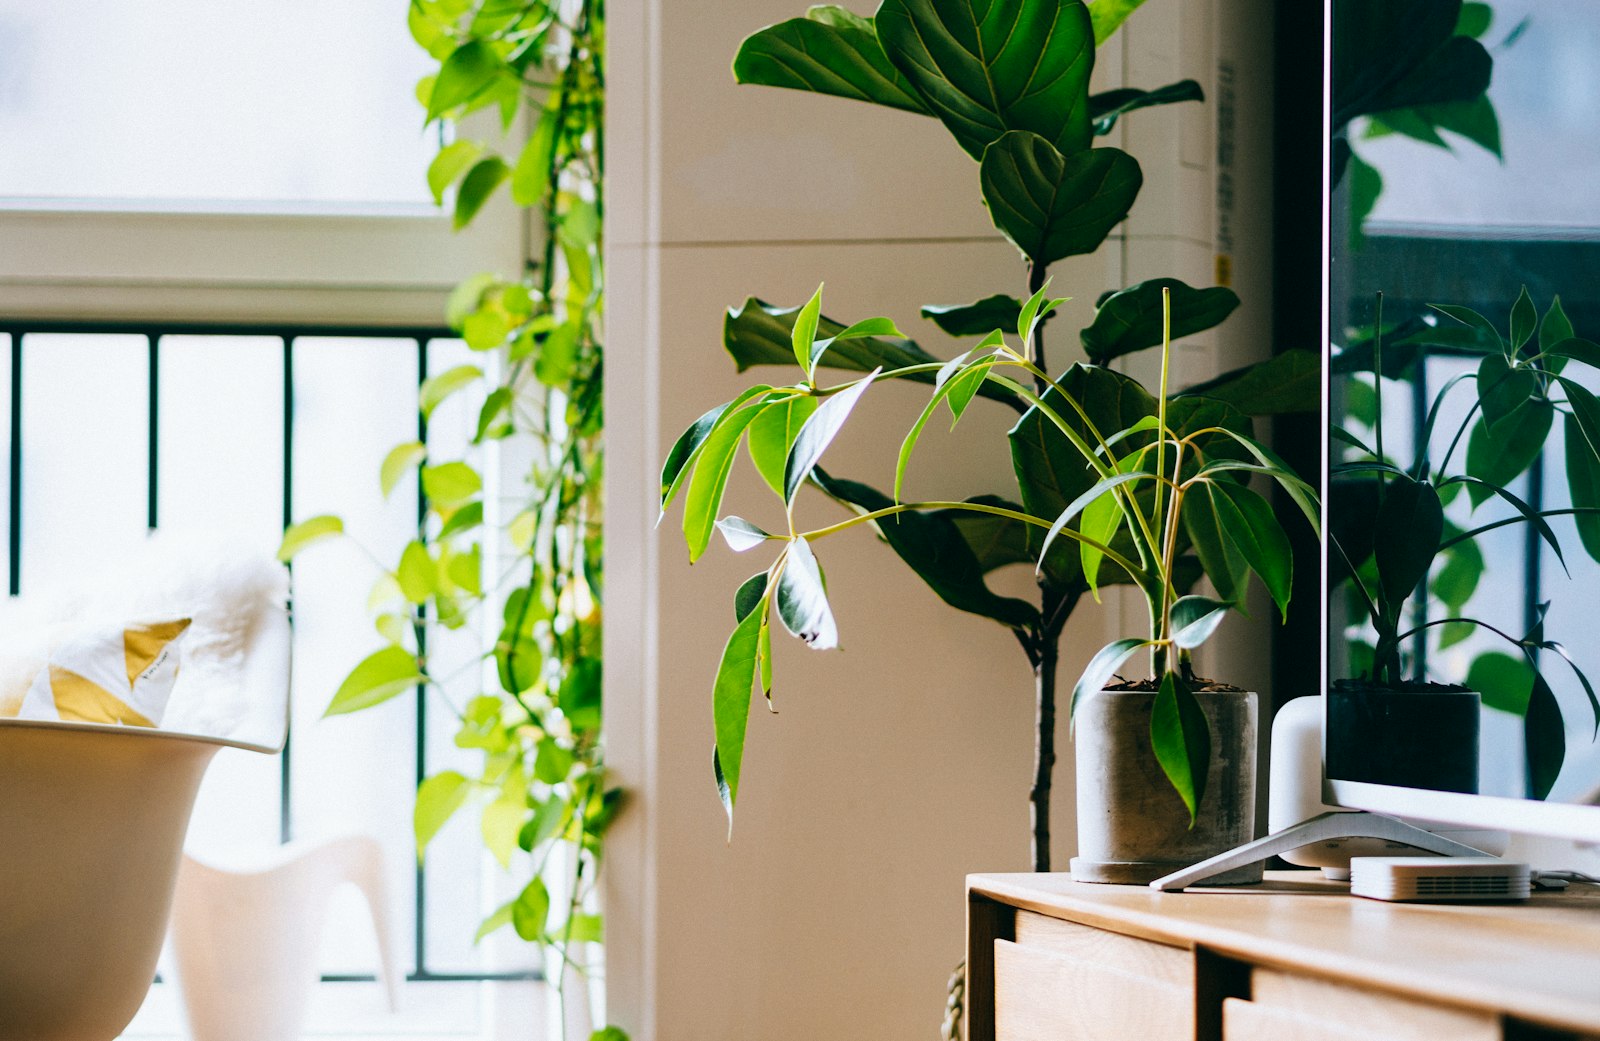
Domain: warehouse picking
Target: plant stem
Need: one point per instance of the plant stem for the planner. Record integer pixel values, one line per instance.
(1041, 382)
(1044, 744)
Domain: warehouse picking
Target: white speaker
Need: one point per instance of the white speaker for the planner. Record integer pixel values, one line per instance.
(1294, 794)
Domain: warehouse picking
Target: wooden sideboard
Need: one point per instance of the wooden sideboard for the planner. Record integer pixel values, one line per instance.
(1293, 959)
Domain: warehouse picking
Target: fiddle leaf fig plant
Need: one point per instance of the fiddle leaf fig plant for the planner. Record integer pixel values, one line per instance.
(1107, 484)
(1390, 531)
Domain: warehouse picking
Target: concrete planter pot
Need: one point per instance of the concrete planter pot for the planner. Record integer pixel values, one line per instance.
(1132, 826)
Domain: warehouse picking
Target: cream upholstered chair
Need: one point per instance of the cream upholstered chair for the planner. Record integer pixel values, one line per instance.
(92, 821)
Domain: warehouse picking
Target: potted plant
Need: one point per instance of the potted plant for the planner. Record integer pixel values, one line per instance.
(1025, 153)
(1392, 543)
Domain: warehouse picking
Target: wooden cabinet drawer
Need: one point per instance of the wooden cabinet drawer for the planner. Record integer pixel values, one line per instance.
(1356, 1013)
(1248, 1021)
(1045, 995)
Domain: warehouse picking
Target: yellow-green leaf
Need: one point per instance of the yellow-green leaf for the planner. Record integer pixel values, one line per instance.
(435, 389)
(416, 573)
(398, 462)
(298, 536)
(452, 160)
(450, 484)
(379, 677)
(438, 798)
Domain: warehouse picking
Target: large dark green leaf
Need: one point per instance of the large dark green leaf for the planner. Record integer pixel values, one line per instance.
(1502, 389)
(1131, 320)
(1194, 619)
(1501, 456)
(1052, 205)
(997, 541)
(772, 434)
(1389, 56)
(759, 333)
(976, 319)
(802, 601)
(1544, 739)
(1181, 738)
(1105, 107)
(933, 547)
(1504, 681)
(1287, 383)
(988, 67)
(1219, 556)
(1247, 520)
(1583, 481)
(830, 51)
(1409, 525)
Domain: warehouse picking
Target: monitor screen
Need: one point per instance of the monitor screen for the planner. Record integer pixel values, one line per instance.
(1463, 453)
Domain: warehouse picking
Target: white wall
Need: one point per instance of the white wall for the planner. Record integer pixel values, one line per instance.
(902, 763)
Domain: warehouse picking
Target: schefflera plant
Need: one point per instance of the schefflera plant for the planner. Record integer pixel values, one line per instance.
(1168, 480)
(1392, 541)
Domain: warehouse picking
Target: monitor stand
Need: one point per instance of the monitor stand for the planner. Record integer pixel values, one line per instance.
(1336, 825)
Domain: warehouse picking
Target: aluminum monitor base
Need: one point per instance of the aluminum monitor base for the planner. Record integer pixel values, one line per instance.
(1340, 825)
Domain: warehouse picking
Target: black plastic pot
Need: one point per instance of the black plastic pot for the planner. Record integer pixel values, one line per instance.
(1425, 738)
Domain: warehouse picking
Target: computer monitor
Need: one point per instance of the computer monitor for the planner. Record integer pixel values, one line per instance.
(1461, 650)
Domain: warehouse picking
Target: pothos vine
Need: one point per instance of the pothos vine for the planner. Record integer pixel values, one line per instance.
(542, 786)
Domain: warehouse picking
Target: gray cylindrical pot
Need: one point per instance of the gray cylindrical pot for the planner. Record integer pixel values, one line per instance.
(1132, 825)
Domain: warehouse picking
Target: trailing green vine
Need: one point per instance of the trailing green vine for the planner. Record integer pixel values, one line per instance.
(542, 785)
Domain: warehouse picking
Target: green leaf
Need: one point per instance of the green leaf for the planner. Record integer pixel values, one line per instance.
(480, 183)
(530, 178)
(1101, 519)
(984, 70)
(1248, 521)
(609, 1034)
(1583, 482)
(298, 536)
(438, 798)
(1192, 620)
(1481, 326)
(1102, 487)
(435, 389)
(486, 329)
(1524, 320)
(1544, 739)
(805, 331)
(551, 762)
(450, 484)
(379, 677)
(1410, 523)
(530, 910)
(830, 51)
(817, 433)
(1555, 326)
(558, 354)
(1474, 20)
(416, 573)
(1102, 667)
(933, 547)
(730, 704)
(751, 594)
(1288, 383)
(946, 388)
(976, 319)
(1181, 738)
(1131, 320)
(452, 160)
(1505, 682)
(740, 534)
(398, 463)
(1501, 456)
(772, 434)
(469, 70)
(494, 417)
(676, 469)
(802, 600)
(867, 328)
(465, 518)
(1502, 389)
(546, 821)
(1455, 582)
(710, 478)
(1107, 106)
(502, 822)
(1108, 16)
(498, 920)
(1219, 556)
(1052, 205)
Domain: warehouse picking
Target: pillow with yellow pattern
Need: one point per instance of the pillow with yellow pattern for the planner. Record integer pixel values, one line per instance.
(123, 675)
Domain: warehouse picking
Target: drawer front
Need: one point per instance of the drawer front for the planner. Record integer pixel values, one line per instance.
(1362, 1013)
(1248, 1021)
(1044, 995)
(1108, 950)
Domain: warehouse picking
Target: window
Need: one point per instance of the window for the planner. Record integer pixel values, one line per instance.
(218, 243)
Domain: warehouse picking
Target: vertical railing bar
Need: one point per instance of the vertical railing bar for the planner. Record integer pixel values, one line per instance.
(421, 924)
(14, 542)
(1533, 552)
(153, 485)
(1419, 412)
(285, 777)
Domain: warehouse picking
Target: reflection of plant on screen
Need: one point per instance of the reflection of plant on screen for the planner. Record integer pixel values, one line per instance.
(1415, 69)
(1392, 540)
